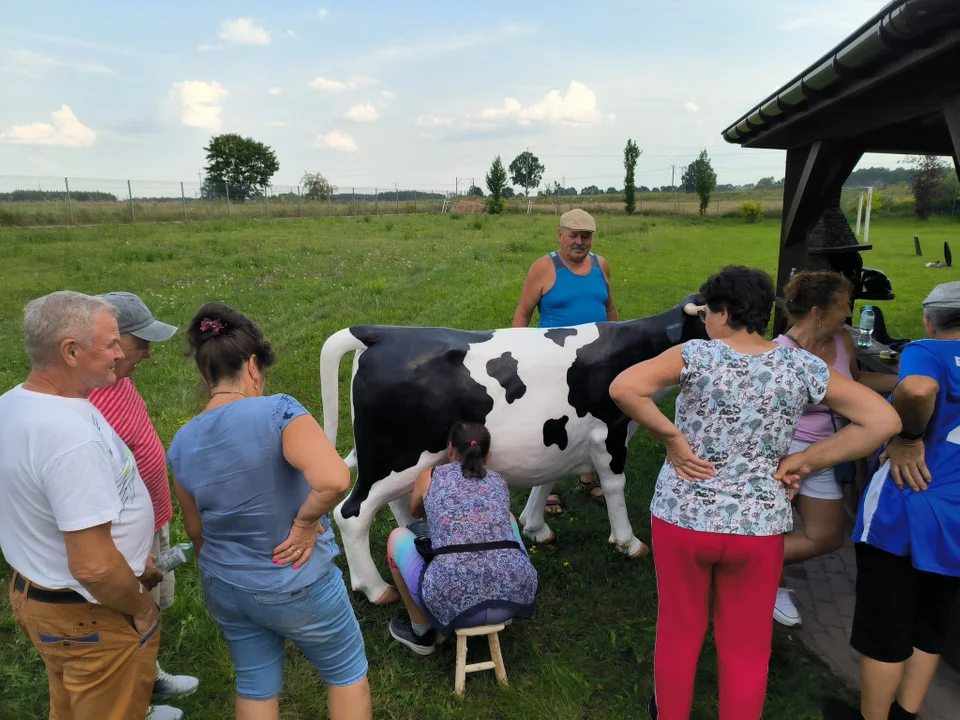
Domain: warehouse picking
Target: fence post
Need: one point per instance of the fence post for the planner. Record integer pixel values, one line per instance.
(353, 207)
(266, 199)
(328, 202)
(227, 186)
(69, 203)
(130, 194)
(376, 195)
(299, 203)
(415, 202)
(183, 201)
(398, 197)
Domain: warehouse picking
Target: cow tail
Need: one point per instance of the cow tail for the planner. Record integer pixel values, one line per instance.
(336, 346)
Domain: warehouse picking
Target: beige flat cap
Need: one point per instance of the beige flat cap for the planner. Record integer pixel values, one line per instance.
(578, 219)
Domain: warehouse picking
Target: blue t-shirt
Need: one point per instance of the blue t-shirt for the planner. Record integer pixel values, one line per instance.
(230, 461)
(574, 299)
(923, 525)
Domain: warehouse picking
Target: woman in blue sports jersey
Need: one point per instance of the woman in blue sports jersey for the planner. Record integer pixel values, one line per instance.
(908, 528)
(570, 286)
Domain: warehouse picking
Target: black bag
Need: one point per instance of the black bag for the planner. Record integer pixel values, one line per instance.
(845, 472)
(422, 541)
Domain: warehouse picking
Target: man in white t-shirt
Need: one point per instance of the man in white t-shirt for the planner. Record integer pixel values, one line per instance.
(76, 521)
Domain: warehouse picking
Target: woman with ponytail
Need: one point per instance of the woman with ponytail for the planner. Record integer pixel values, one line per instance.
(479, 573)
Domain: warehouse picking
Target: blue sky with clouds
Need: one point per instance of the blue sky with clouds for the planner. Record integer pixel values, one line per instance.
(372, 93)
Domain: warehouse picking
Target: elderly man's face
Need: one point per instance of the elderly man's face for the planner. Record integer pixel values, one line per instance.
(575, 244)
(96, 363)
(134, 350)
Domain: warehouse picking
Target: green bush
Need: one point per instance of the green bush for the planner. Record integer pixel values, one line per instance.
(750, 210)
(494, 206)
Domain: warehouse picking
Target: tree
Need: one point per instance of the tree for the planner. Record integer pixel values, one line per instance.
(526, 170)
(474, 191)
(931, 171)
(643, 189)
(243, 163)
(552, 193)
(688, 181)
(591, 190)
(317, 187)
(612, 191)
(630, 155)
(509, 192)
(497, 185)
(706, 179)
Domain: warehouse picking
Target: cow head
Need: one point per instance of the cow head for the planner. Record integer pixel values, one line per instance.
(687, 324)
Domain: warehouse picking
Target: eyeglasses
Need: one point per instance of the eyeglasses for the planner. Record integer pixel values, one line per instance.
(702, 314)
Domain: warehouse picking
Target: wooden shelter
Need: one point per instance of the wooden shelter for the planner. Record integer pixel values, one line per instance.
(893, 86)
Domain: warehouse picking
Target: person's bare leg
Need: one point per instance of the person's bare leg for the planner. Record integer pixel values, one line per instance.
(246, 709)
(918, 673)
(350, 702)
(878, 687)
(822, 530)
(417, 616)
(554, 503)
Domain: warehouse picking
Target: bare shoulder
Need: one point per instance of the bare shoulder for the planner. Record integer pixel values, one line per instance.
(541, 267)
(604, 265)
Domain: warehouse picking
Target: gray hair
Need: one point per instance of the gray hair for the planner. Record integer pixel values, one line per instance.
(53, 318)
(943, 319)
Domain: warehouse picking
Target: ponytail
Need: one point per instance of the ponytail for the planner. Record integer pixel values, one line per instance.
(471, 440)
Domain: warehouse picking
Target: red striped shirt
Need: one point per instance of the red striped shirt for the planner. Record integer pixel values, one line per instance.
(126, 412)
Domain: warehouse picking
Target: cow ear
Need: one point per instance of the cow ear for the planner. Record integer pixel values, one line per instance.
(675, 332)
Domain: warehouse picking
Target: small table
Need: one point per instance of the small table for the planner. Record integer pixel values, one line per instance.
(870, 357)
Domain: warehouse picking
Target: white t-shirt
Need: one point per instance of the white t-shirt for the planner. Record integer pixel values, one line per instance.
(62, 469)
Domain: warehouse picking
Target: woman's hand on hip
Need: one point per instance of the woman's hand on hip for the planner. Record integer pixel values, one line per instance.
(686, 463)
(298, 546)
(792, 469)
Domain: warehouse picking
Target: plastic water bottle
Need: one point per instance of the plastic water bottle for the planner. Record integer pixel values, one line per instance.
(174, 557)
(865, 336)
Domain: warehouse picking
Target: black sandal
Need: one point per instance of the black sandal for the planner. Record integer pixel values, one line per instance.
(551, 503)
(589, 488)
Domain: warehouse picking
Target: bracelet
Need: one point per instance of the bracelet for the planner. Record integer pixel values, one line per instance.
(911, 436)
(304, 524)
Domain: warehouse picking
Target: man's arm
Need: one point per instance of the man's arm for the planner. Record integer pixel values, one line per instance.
(191, 516)
(530, 295)
(914, 400)
(611, 307)
(101, 569)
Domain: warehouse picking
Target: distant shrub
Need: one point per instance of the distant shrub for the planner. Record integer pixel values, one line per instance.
(750, 210)
(494, 206)
(477, 224)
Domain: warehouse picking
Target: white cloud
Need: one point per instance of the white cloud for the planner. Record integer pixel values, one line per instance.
(275, 91)
(446, 44)
(290, 33)
(577, 107)
(31, 64)
(276, 123)
(362, 113)
(242, 31)
(323, 13)
(336, 140)
(386, 97)
(338, 86)
(64, 130)
(198, 103)
(433, 121)
(690, 108)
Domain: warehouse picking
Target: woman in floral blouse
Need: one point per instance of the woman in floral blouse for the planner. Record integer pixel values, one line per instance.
(720, 508)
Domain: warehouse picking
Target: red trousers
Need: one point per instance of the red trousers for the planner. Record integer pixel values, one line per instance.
(743, 572)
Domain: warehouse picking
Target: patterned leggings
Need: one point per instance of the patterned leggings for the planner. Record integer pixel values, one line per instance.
(402, 555)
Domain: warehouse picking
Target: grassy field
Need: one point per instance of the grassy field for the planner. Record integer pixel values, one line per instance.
(588, 651)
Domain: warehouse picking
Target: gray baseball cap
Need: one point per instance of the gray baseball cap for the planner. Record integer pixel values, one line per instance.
(134, 317)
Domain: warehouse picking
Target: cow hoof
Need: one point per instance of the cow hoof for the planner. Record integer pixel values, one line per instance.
(634, 549)
(550, 540)
(542, 536)
(640, 552)
(390, 596)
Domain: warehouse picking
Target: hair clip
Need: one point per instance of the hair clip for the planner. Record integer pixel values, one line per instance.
(214, 326)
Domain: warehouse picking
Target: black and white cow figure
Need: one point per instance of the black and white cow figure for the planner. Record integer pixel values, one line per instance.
(542, 393)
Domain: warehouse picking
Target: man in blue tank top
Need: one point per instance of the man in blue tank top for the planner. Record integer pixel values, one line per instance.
(908, 528)
(570, 286)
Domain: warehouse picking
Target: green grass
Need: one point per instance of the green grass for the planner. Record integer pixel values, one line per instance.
(588, 651)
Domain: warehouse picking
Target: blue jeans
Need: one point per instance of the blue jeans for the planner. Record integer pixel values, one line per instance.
(318, 619)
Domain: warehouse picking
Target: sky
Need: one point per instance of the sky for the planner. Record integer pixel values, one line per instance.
(422, 94)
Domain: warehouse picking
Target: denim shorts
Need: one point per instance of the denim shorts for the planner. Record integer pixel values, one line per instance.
(318, 619)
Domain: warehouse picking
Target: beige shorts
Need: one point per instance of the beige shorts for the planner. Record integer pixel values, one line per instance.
(162, 594)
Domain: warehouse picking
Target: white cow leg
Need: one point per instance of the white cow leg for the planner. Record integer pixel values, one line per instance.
(401, 510)
(621, 532)
(532, 517)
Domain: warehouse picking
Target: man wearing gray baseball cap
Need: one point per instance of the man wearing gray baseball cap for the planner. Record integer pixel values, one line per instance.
(125, 410)
(908, 558)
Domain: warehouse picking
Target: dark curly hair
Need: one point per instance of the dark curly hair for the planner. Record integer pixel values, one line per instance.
(809, 289)
(222, 339)
(745, 293)
(471, 440)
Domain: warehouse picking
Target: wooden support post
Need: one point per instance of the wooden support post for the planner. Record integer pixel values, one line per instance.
(499, 670)
(133, 217)
(460, 682)
(951, 113)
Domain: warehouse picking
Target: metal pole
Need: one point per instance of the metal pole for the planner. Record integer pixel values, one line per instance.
(227, 186)
(859, 211)
(130, 193)
(266, 200)
(328, 202)
(415, 202)
(353, 191)
(376, 194)
(866, 220)
(398, 197)
(456, 187)
(299, 203)
(69, 203)
(183, 202)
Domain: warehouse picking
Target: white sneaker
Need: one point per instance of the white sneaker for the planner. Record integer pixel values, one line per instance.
(785, 612)
(171, 685)
(163, 712)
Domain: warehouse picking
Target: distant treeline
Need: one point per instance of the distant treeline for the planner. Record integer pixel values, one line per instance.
(57, 195)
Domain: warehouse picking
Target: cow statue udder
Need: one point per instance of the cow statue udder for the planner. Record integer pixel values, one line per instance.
(542, 394)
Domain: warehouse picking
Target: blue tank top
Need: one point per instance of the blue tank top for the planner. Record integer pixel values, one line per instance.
(574, 299)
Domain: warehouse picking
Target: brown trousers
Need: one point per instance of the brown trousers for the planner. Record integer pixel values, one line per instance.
(98, 665)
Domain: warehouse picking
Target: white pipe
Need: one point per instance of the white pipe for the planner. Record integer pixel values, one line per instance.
(866, 225)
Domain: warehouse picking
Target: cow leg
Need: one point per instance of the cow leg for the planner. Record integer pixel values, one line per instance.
(621, 532)
(355, 534)
(534, 526)
(401, 510)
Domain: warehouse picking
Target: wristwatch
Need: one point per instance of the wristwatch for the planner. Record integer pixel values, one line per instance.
(911, 436)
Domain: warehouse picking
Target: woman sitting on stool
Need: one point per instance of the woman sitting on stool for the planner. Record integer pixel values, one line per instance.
(481, 574)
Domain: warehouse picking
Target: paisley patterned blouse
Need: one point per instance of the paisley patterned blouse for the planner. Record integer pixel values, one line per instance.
(740, 413)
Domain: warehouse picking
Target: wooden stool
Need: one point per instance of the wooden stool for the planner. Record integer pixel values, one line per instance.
(496, 659)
